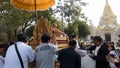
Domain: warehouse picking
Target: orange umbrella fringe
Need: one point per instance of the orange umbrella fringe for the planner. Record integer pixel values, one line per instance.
(32, 1)
(31, 7)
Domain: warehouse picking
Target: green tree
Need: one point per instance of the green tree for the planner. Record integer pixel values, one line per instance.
(69, 9)
(70, 12)
(12, 19)
(78, 27)
(29, 31)
(70, 30)
(83, 29)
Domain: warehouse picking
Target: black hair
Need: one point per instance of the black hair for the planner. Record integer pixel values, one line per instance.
(111, 43)
(72, 43)
(21, 37)
(98, 38)
(73, 36)
(11, 42)
(113, 48)
(45, 38)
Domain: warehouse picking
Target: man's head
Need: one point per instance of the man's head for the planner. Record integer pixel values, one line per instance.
(45, 38)
(21, 37)
(97, 40)
(75, 36)
(72, 43)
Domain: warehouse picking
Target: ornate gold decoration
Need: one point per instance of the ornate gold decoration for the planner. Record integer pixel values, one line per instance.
(41, 28)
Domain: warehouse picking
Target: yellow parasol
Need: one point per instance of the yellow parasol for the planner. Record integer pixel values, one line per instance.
(33, 5)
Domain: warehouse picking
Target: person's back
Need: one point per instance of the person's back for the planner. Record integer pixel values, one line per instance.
(44, 53)
(12, 60)
(68, 58)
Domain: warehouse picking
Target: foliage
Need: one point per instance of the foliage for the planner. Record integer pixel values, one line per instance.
(78, 27)
(83, 29)
(69, 9)
(69, 30)
(29, 31)
(12, 20)
(70, 12)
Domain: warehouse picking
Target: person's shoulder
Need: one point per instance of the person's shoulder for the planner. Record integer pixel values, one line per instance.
(38, 47)
(52, 45)
(27, 47)
(64, 49)
(11, 46)
(105, 44)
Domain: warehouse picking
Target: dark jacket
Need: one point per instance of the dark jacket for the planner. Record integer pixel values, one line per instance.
(68, 58)
(117, 64)
(101, 56)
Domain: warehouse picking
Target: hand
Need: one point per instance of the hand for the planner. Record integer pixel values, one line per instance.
(109, 58)
(91, 55)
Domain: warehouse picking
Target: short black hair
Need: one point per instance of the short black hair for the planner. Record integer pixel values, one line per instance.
(2, 45)
(98, 38)
(72, 43)
(45, 38)
(73, 36)
(21, 37)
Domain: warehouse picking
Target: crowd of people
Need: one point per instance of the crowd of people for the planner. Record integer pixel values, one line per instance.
(99, 55)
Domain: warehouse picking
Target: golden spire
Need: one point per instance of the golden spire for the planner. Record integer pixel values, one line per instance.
(107, 10)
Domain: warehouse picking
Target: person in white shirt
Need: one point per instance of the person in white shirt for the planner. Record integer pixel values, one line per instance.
(1, 61)
(45, 52)
(75, 37)
(26, 53)
(100, 52)
(112, 54)
(77, 49)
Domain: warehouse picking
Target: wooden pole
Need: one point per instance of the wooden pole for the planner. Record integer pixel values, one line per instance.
(36, 17)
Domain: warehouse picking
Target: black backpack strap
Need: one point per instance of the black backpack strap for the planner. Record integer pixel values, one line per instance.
(21, 62)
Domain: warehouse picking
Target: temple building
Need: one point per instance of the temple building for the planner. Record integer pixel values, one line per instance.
(108, 27)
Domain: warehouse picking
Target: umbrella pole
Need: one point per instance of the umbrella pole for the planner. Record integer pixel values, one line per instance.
(35, 11)
(36, 17)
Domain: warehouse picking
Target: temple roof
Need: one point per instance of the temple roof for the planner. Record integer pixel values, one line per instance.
(108, 10)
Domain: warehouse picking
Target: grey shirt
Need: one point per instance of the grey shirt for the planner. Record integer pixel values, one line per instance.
(44, 55)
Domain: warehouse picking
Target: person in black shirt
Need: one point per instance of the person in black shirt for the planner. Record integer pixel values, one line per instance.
(68, 57)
